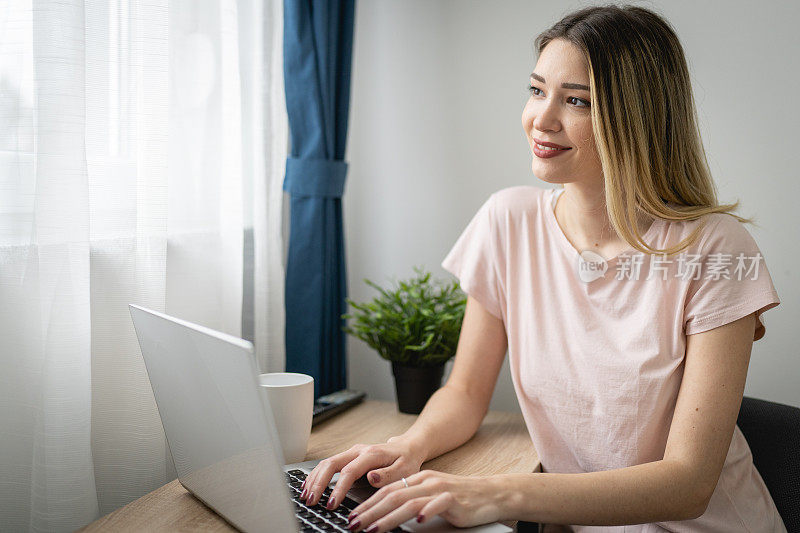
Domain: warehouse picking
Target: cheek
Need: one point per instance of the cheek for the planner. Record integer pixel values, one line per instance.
(527, 116)
(583, 135)
(587, 148)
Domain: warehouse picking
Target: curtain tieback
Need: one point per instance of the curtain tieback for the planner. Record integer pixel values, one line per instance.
(315, 177)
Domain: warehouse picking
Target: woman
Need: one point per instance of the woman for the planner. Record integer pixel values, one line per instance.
(630, 384)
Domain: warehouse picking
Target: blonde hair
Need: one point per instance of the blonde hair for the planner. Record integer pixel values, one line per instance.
(644, 119)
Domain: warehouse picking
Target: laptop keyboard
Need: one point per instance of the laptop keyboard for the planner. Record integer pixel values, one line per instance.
(317, 518)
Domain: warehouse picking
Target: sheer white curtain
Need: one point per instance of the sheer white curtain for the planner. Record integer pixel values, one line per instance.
(139, 139)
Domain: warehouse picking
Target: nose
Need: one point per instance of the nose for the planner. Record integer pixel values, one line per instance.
(546, 116)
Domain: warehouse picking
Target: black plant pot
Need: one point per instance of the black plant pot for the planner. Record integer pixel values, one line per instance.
(415, 386)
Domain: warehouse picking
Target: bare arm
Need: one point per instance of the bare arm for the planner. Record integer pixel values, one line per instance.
(453, 414)
(449, 419)
(678, 487)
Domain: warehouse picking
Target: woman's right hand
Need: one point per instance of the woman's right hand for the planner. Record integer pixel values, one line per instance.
(383, 464)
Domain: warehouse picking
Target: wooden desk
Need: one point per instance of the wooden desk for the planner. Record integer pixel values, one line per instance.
(501, 445)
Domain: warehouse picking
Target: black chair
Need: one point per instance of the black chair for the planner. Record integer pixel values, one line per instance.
(772, 431)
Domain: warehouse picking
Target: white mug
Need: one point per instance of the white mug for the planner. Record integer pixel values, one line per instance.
(290, 396)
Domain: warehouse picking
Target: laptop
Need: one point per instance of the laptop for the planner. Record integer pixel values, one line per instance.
(223, 439)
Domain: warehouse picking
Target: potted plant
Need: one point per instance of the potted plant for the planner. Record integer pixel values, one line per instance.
(415, 325)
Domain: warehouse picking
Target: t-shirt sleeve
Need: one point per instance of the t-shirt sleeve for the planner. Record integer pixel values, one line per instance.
(474, 257)
(733, 281)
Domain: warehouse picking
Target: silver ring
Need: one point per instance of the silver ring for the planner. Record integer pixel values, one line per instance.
(405, 482)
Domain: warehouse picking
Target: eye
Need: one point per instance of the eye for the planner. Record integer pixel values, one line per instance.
(581, 103)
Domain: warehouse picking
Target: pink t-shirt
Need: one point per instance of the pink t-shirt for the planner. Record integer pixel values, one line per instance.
(596, 363)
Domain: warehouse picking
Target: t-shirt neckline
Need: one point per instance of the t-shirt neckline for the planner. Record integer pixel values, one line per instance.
(550, 215)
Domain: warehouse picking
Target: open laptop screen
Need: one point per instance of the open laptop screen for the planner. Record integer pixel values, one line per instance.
(222, 439)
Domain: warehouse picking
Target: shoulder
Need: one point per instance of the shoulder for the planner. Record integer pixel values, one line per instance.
(724, 233)
(517, 199)
(717, 230)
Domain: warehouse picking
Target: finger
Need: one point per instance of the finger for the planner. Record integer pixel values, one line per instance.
(356, 468)
(321, 475)
(380, 477)
(436, 506)
(315, 481)
(308, 478)
(397, 516)
(364, 458)
(316, 486)
(374, 499)
(387, 499)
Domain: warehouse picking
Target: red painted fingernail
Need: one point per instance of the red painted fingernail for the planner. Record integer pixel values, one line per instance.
(331, 502)
(303, 495)
(303, 484)
(310, 499)
(421, 518)
(354, 525)
(372, 529)
(352, 516)
(375, 477)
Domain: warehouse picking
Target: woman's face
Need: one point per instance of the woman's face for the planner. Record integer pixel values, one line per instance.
(561, 115)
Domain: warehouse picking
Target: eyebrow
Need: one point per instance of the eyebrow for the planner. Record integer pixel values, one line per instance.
(564, 85)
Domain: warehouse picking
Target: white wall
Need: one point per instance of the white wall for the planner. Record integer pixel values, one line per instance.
(438, 89)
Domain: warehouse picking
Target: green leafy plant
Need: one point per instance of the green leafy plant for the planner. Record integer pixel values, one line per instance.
(415, 323)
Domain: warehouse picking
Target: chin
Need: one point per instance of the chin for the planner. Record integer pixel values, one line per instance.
(547, 174)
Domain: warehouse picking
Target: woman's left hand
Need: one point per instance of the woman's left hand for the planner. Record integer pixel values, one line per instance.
(464, 501)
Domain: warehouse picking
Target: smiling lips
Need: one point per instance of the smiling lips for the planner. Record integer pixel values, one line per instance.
(544, 149)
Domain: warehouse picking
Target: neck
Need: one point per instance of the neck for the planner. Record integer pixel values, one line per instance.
(583, 212)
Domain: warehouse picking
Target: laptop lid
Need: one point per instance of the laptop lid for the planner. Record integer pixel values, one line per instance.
(222, 439)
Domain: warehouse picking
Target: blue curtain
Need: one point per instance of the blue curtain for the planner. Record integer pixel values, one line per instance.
(317, 50)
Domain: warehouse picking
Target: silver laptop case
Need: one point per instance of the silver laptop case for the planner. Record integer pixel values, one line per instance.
(221, 437)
